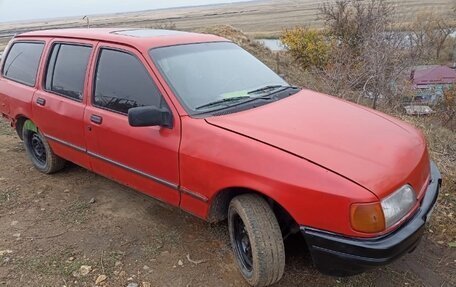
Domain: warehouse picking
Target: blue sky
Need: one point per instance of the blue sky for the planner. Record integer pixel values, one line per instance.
(23, 10)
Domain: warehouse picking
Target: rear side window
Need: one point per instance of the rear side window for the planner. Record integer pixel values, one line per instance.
(67, 69)
(122, 82)
(22, 61)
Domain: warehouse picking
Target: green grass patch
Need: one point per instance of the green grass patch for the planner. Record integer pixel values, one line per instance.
(7, 196)
(77, 213)
(54, 265)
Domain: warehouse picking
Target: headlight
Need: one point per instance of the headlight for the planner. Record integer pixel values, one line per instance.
(377, 216)
(398, 204)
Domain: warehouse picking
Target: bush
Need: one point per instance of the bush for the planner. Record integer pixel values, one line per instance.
(309, 47)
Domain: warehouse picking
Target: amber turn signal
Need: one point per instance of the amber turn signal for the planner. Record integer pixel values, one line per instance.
(367, 217)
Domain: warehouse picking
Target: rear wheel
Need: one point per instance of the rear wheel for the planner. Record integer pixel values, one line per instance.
(256, 240)
(39, 151)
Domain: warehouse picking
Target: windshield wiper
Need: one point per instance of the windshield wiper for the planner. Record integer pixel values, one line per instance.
(265, 96)
(266, 88)
(222, 101)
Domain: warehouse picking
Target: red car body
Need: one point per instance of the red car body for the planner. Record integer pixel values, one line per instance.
(313, 155)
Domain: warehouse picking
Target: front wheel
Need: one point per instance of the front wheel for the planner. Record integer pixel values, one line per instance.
(256, 240)
(39, 151)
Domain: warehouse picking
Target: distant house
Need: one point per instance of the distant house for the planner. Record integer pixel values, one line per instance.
(432, 81)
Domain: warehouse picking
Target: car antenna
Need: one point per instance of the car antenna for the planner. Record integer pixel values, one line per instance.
(88, 20)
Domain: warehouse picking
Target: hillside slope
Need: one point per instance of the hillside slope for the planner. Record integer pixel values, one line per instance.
(259, 18)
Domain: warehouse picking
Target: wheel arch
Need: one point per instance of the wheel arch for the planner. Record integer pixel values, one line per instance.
(218, 207)
(19, 124)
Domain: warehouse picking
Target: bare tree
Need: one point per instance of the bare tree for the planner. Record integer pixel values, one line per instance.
(429, 33)
(368, 57)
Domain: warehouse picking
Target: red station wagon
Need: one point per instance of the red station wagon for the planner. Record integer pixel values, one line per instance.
(197, 122)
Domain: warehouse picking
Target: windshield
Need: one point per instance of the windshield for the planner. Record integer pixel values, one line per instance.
(207, 73)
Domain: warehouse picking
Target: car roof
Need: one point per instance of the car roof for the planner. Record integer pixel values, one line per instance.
(139, 38)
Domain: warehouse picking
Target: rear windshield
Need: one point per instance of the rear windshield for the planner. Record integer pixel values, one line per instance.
(21, 64)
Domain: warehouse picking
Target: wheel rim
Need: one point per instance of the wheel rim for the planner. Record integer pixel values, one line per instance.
(37, 148)
(242, 243)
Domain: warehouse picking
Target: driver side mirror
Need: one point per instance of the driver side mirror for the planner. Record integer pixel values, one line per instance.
(149, 117)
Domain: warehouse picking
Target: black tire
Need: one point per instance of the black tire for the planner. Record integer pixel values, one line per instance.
(264, 264)
(40, 153)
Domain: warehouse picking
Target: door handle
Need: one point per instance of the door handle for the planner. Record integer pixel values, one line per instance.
(41, 101)
(96, 119)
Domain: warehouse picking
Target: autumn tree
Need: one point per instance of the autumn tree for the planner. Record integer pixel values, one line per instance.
(308, 47)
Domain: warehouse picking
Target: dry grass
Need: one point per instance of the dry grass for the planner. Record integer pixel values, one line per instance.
(442, 144)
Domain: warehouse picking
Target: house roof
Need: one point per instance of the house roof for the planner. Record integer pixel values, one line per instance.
(434, 75)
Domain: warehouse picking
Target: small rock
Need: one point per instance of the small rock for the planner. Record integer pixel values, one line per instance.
(43, 209)
(122, 273)
(66, 191)
(14, 222)
(85, 270)
(4, 252)
(146, 284)
(180, 263)
(16, 235)
(2, 179)
(132, 284)
(101, 279)
(6, 260)
(71, 259)
(92, 201)
(118, 263)
(146, 267)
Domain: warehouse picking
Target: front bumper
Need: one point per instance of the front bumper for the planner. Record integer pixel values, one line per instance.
(342, 256)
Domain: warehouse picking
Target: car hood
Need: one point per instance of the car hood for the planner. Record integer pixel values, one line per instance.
(369, 148)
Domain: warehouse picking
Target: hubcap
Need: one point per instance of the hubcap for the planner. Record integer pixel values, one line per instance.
(242, 243)
(38, 149)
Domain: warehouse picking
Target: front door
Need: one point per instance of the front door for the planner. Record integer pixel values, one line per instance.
(145, 158)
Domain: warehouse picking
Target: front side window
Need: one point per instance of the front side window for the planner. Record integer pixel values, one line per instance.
(67, 69)
(122, 82)
(21, 64)
(207, 75)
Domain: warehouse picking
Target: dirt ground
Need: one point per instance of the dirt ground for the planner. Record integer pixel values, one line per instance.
(50, 226)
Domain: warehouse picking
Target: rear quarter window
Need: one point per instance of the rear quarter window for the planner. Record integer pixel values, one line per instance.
(67, 69)
(21, 63)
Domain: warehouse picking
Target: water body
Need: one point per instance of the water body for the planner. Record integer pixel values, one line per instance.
(274, 45)
(26, 10)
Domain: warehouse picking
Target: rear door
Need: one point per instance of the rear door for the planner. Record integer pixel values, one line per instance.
(58, 106)
(145, 158)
